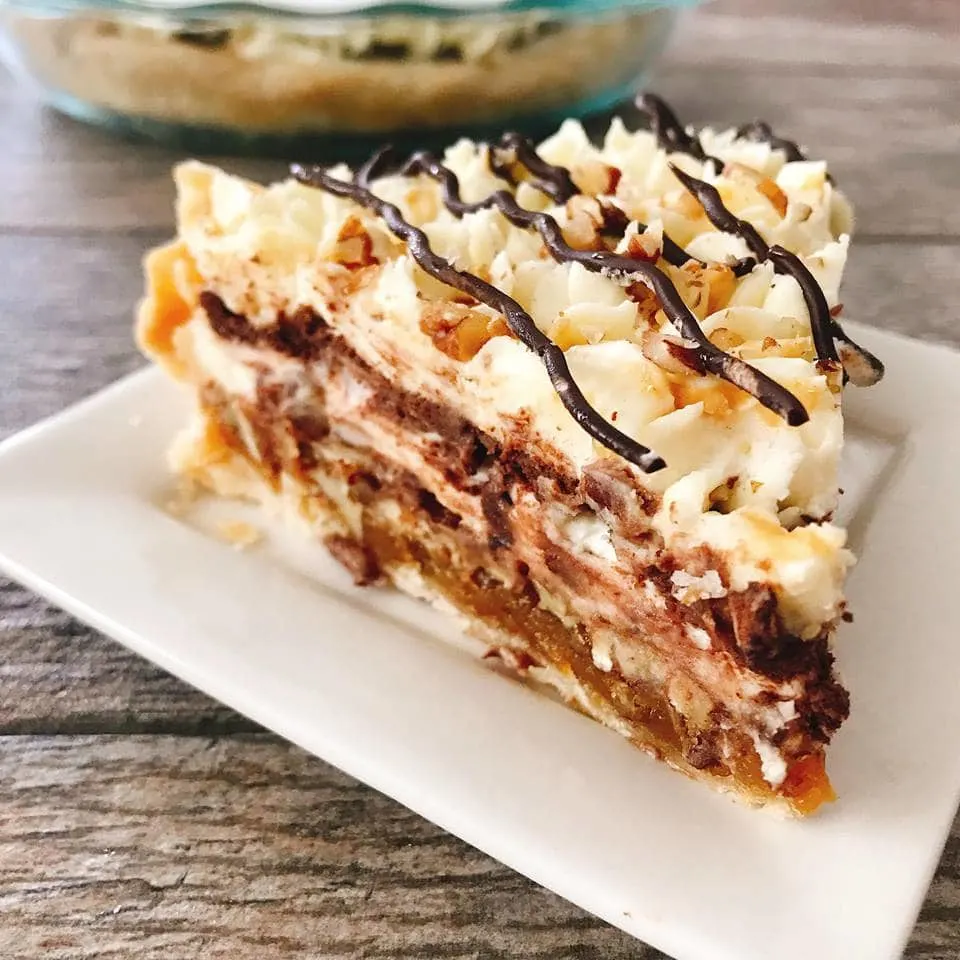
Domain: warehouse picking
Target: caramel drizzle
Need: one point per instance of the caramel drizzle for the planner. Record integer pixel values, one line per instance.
(861, 366)
(518, 320)
(705, 356)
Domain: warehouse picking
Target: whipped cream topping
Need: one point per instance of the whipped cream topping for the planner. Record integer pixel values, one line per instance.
(738, 478)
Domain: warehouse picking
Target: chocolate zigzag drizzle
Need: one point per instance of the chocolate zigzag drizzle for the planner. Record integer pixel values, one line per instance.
(703, 356)
(374, 166)
(676, 256)
(670, 132)
(556, 182)
(673, 136)
(672, 252)
(519, 321)
(759, 131)
(861, 366)
(698, 353)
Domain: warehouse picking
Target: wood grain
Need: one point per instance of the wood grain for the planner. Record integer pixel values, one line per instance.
(245, 848)
(825, 15)
(824, 37)
(68, 308)
(149, 821)
(242, 849)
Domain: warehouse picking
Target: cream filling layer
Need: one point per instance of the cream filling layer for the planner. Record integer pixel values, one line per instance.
(610, 557)
(265, 250)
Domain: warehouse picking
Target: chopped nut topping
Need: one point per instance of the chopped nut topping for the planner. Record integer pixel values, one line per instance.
(721, 284)
(596, 178)
(460, 331)
(648, 306)
(764, 185)
(584, 223)
(566, 333)
(726, 339)
(706, 289)
(687, 205)
(354, 246)
(671, 353)
(645, 246)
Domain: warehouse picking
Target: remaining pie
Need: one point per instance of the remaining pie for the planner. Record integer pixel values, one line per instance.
(589, 396)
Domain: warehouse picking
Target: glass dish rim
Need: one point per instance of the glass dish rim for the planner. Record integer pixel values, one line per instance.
(426, 9)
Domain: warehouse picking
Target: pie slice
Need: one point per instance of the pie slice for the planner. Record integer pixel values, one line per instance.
(588, 396)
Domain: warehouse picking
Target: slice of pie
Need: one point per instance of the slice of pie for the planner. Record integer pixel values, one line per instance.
(589, 396)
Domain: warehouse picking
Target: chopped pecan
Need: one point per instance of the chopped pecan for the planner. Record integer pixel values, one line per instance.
(458, 330)
(354, 246)
(763, 184)
(596, 178)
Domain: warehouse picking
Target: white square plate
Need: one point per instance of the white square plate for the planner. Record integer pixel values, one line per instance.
(365, 680)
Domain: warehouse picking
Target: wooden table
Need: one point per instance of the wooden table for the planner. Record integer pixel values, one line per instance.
(139, 818)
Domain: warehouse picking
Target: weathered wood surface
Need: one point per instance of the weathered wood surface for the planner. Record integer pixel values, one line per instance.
(255, 847)
(139, 818)
(245, 847)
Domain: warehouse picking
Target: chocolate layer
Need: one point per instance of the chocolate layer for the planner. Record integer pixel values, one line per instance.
(744, 627)
(470, 574)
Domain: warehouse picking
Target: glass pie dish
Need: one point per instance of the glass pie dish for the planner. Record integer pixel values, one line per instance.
(255, 76)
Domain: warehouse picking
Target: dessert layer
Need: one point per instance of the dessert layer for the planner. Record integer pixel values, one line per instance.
(261, 75)
(356, 449)
(402, 542)
(587, 396)
(738, 479)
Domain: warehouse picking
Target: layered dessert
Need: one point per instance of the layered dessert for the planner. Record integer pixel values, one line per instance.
(588, 396)
(274, 75)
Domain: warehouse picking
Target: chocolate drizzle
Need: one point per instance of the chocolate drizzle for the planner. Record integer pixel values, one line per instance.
(558, 184)
(550, 179)
(373, 167)
(709, 198)
(520, 322)
(673, 136)
(670, 132)
(697, 352)
(861, 366)
(760, 131)
(675, 255)
(623, 270)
